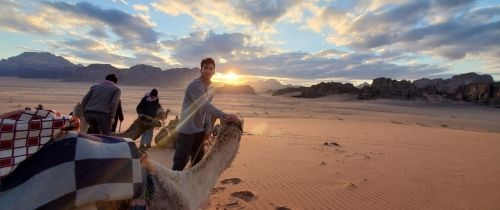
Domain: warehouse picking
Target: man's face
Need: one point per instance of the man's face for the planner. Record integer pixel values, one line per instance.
(207, 71)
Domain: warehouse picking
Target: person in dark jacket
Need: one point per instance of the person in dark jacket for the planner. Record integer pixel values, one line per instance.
(149, 105)
(118, 116)
(100, 104)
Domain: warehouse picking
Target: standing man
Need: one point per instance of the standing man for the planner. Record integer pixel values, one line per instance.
(149, 106)
(195, 122)
(100, 105)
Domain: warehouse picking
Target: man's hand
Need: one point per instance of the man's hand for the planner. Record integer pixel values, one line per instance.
(112, 121)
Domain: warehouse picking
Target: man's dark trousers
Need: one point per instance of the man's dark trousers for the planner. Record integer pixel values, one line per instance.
(99, 123)
(186, 146)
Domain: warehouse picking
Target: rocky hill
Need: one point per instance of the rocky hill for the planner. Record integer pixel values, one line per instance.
(288, 90)
(448, 86)
(362, 85)
(37, 65)
(266, 85)
(47, 65)
(389, 88)
(469, 87)
(328, 88)
(138, 75)
(236, 89)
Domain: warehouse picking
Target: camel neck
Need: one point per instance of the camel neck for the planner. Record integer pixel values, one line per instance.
(207, 171)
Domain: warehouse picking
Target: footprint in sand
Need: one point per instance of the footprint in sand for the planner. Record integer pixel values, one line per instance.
(234, 203)
(245, 195)
(231, 181)
(218, 189)
(351, 186)
(282, 208)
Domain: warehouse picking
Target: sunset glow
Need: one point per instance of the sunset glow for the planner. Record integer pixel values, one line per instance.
(305, 41)
(227, 78)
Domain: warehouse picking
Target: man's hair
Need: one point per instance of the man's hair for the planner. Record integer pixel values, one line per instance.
(207, 61)
(112, 78)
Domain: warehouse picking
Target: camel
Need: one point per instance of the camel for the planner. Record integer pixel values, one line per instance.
(189, 189)
(78, 112)
(162, 115)
(138, 127)
(167, 135)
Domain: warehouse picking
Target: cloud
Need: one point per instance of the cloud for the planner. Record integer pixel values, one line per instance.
(252, 59)
(190, 50)
(391, 38)
(87, 51)
(354, 66)
(30, 49)
(206, 13)
(12, 18)
(134, 31)
(448, 29)
(141, 7)
(121, 1)
(264, 11)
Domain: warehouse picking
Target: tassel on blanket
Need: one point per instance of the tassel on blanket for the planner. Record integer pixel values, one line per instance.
(138, 204)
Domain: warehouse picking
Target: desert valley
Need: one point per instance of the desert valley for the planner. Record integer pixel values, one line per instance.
(333, 152)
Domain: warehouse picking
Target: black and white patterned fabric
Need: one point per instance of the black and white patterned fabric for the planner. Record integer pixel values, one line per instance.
(73, 172)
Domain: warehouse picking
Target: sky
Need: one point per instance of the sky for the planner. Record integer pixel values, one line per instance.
(294, 41)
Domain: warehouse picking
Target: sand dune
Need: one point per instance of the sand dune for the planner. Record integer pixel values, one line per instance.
(390, 154)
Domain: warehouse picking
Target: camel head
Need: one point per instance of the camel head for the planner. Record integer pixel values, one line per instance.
(227, 132)
(162, 115)
(78, 110)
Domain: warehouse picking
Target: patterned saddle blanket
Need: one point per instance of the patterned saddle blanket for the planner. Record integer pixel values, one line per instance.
(24, 132)
(75, 170)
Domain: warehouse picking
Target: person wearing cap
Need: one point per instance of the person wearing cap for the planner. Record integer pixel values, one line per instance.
(149, 106)
(100, 105)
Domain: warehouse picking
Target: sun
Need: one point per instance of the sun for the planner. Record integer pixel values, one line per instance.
(231, 76)
(228, 78)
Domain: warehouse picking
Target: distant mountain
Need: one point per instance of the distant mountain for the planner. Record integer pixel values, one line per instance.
(362, 85)
(288, 90)
(450, 85)
(37, 65)
(138, 75)
(266, 85)
(95, 72)
(469, 87)
(328, 88)
(236, 89)
(47, 65)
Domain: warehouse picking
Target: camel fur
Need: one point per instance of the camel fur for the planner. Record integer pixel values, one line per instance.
(189, 189)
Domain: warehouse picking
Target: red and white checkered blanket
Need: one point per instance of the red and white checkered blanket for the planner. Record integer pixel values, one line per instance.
(24, 132)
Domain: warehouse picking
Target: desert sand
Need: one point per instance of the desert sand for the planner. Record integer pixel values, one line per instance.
(328, 153)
